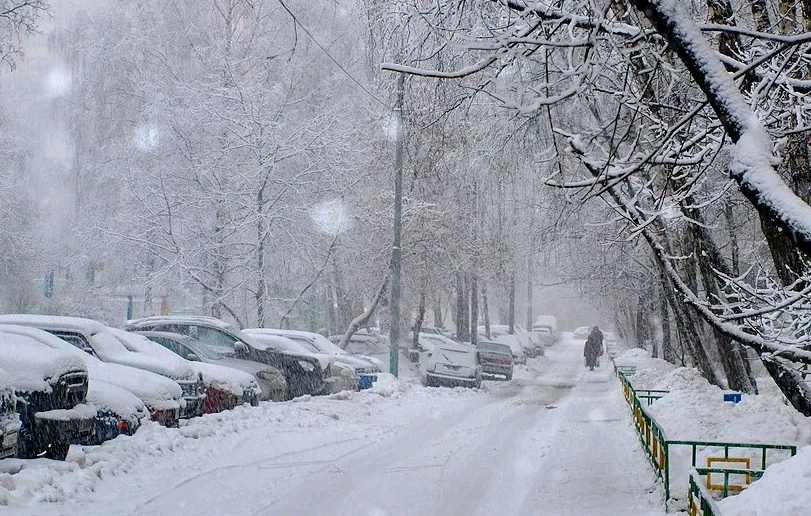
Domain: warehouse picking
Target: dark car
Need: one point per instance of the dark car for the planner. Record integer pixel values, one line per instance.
(496, 358)
(51, 390)
(9, 419)
(109, 345)
(303, 374)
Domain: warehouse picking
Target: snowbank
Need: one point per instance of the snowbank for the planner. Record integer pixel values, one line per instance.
(371, 413)
(784, 489)
(695, 410)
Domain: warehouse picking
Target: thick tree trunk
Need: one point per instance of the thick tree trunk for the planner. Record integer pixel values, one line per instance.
(462, 323)
(734, 249)
(709, 260)
(668, 353)
(439, 318)
(690, 335)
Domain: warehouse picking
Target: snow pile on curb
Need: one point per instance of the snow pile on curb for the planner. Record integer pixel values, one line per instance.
(695, 410)
(284, 426)
(784, 489)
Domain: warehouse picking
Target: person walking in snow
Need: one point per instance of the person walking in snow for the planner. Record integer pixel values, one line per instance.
(593, 348)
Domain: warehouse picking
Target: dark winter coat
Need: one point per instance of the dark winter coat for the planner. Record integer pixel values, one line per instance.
(594, 347)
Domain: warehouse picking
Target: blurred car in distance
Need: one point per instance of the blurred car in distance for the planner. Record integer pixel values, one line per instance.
(453, 365)
(496, 358)
(544, 335)
(581, 332)
(549, 322)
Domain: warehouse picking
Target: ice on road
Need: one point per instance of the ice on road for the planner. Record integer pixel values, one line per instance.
(557, 439)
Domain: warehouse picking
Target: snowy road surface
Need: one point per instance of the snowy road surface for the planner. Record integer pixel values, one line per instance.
(556, 440)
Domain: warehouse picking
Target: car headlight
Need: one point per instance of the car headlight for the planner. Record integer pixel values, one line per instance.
(307, 366)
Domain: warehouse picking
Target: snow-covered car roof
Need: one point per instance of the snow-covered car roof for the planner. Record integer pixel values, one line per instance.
(157, 391)
(142, 353)
(194, 319)
(31, 365)
(287, 345)
(108, 345)
(54, 322)
(228, 378)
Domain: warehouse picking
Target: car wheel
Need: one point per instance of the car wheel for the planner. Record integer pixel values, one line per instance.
(509, 376)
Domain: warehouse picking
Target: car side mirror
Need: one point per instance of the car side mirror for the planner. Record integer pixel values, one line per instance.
(240, 347)
(192, 357)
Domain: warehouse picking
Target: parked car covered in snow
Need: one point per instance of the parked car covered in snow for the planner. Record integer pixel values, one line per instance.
(582, 332)
(280, 376)
(544, 335)
(366, 368)
(118, 411)
(161, 396)
(548, 323)
(532, 344)
(226, 387)
(9, 419)
(108, 344)
(51, 391)
(496, 358)
(519, 357)
(338, 376)
(453, 365)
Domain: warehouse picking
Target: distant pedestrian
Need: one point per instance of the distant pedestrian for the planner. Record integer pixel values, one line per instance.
(593, 348)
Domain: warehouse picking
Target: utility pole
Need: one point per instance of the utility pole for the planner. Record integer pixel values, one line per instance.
(394, 324)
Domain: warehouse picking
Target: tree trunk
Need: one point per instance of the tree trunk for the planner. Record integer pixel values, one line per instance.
(415, 332)
(690, 336)
(439, 319)
(474, 310)
(787, 17)
(530, 274)
(734, 249)
(462, 324)
(668, 353)
(362, 318)
(260, 260)
(760, 14)
(486, 311)
(511, 314)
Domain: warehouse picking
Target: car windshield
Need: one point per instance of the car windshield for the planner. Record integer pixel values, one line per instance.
(457, 356)
(202, 349)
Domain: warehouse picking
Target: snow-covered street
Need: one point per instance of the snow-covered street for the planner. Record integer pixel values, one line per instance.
(558, 439)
